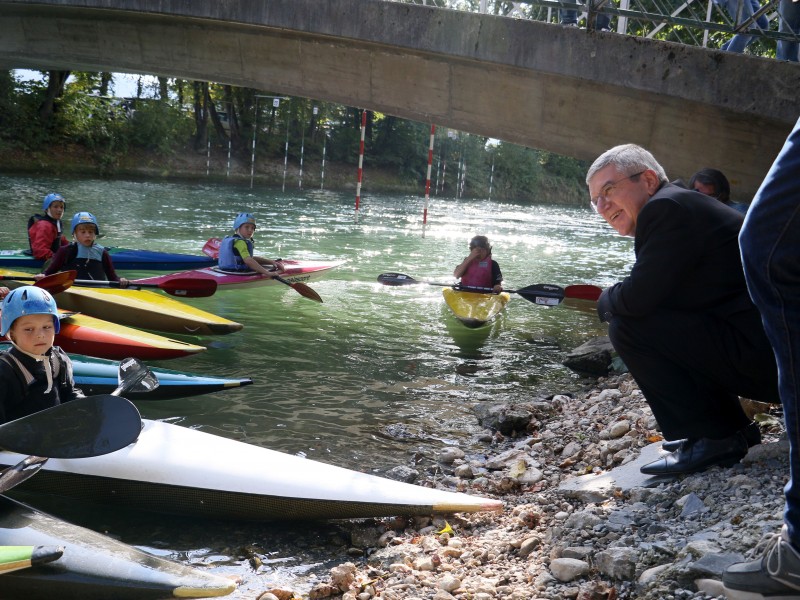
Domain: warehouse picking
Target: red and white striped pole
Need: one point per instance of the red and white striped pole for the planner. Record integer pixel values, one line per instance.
(428, 179)
(360, 162)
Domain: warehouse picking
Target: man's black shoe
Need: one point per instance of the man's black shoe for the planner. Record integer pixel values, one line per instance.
(751, 433)
(699, 455)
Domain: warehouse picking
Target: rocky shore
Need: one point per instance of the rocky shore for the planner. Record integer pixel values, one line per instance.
(646, 539)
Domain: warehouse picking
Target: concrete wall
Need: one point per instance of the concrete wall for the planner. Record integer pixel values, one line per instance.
(541, 85)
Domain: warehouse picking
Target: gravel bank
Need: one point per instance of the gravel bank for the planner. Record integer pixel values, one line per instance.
(664, 541)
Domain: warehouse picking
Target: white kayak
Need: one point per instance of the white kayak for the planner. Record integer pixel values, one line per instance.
(182, 471)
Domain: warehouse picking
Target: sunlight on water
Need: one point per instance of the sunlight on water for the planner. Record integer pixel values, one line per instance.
(330, 378)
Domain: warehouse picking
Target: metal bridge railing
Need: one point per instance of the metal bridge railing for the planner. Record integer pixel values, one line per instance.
(695, 22)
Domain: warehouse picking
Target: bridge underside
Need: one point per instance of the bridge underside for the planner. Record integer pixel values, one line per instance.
(535, 84)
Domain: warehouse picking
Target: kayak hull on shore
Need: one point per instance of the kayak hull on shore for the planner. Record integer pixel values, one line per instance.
(93, 566)
(297, 271)
(125, 259)
(475, 310)
(177, 470)
(99, 376)
(82, 334)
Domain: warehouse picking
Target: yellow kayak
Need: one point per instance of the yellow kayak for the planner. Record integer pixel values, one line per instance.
(139, 308)
(475, 310)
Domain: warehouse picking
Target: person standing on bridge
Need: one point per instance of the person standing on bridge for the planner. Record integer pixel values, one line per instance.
(789, 13)
(740, 11)
(682, 320)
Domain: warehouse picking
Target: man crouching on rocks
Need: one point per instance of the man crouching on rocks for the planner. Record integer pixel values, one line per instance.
(682, 321)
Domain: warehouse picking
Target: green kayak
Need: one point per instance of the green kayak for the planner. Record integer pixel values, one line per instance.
(14, 558)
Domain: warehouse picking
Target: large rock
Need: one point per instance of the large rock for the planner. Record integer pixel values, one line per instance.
(592, 358)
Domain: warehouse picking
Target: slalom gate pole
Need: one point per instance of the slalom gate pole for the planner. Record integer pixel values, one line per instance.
(360, 162)
(428, 178)
(322, 174)
(285, 155)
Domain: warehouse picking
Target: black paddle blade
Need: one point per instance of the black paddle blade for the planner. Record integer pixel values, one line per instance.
(134, 376)
(13, 476)
(78, 429)
(542, 293)
(396, 279)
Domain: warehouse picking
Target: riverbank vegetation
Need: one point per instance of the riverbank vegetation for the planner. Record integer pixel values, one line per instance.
(72, 123)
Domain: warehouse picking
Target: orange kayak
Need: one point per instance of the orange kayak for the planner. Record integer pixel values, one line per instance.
(81, 334)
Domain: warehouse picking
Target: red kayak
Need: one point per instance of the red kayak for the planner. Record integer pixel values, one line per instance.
(297, 271)
(82, 334)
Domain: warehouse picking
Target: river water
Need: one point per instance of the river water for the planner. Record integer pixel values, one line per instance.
(375, 375)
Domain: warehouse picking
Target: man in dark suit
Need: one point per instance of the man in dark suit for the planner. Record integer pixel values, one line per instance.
(682, 321)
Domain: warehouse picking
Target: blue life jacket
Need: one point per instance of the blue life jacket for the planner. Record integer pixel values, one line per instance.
(229, 259)
(87, 268)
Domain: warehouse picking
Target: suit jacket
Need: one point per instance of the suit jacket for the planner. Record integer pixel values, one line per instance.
(687, 259)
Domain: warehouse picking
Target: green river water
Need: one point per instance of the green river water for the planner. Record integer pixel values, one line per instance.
(372, 377)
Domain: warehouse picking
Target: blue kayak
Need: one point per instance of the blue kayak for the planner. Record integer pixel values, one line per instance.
(99, 376)
(124, 259)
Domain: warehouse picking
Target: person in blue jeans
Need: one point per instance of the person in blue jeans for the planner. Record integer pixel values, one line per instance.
(570, 17)
(789, 11)
(740, 41)
(770, 242)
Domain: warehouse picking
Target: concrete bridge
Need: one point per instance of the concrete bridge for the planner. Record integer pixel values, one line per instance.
(541, 85)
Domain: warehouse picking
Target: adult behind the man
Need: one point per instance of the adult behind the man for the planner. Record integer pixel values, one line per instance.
(682, 320)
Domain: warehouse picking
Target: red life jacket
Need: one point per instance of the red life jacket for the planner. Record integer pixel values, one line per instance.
(479, 273)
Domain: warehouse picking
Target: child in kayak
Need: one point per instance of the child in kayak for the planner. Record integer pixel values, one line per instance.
(478, 269)
(236, 251)
(44, 231)
(85, 255)
(34, 374)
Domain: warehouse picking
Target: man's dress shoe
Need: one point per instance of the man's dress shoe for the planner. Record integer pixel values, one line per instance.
(698, 455)
(751, 433)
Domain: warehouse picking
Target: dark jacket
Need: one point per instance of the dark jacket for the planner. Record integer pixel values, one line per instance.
(22, 390)
(687, 259)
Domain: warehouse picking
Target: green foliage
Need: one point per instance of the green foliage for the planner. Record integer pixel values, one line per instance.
(159, 126)
(109, 127)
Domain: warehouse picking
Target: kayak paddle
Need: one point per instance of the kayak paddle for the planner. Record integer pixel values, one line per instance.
(55, 283)
(211, 249)
(541, 293)
(300, 288)
(134, 376)
(77, 429)
(583, 292)
(184, 287)
(13, 476)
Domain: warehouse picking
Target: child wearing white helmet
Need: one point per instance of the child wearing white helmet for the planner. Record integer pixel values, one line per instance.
(44, 231)
(85, 255)
(34, 374)
(236, 251)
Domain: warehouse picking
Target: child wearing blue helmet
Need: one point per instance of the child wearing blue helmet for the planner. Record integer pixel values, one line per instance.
(236, 251)
(34, 374)
(85, 255)
(44, 231)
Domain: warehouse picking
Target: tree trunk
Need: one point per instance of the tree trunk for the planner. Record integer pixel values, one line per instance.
(200, 115)
(56, 81)
(212, 112)
(105, 80)
(163, 88)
